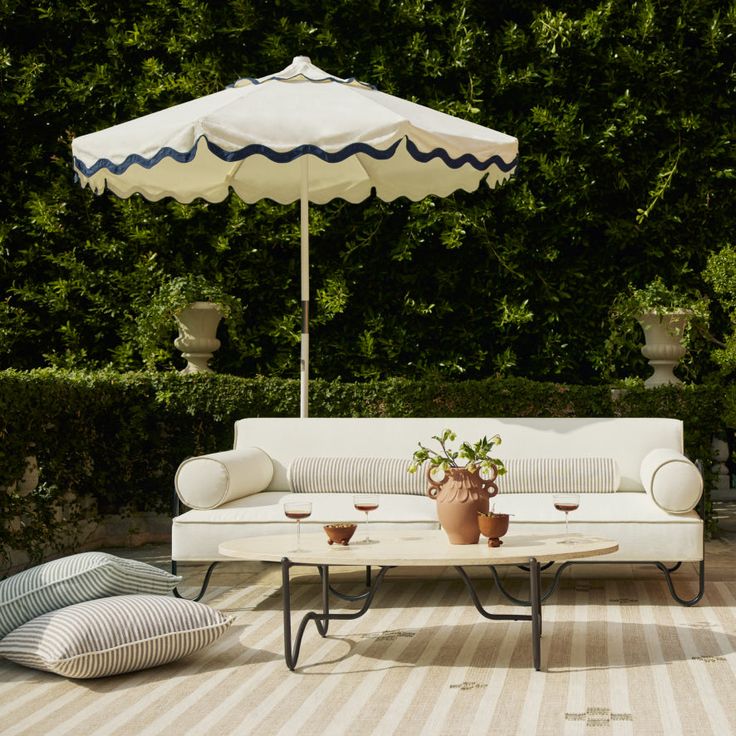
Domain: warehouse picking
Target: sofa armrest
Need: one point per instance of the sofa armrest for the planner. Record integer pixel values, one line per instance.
(674, 483)
(208, 481)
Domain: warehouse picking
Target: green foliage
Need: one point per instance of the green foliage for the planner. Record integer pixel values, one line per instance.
(657, 297)
(720, 273)
(625, 116)
(477, 456)
(110, 443)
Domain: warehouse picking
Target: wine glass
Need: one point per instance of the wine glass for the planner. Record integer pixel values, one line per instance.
(298, 510)
(567, 503)
(366, 503)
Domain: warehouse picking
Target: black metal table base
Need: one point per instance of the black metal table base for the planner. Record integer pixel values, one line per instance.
(322, 618)
(667, 571)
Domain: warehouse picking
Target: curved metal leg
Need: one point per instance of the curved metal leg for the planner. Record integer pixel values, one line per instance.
(348, 596)
(205, 583)
(479, 605)
(543, 567)
(536, 603)
(563, 566)
(321, 620)
(535, 616)
(701, 583)
(324, 623)
(520, 601)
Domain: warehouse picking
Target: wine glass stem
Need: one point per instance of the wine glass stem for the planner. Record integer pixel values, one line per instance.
(367, 535)
(567, 533)
(298, 534)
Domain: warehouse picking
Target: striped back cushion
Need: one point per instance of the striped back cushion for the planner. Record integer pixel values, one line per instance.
(108, 636)
(355, 475)
(559, 475)
(75, 579)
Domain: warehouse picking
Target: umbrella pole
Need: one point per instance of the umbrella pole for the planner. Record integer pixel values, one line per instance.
(304, 230)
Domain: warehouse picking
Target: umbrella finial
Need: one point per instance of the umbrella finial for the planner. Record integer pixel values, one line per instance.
(302, 59)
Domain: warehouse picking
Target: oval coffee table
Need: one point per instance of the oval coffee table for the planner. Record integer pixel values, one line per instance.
(409, 549)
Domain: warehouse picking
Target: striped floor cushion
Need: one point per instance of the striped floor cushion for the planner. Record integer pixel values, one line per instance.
(355, 475)
(109, 636)
(74, 579)
(559, 475)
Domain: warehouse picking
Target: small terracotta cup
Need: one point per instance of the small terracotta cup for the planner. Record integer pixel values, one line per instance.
(339, 533)
(493, 526)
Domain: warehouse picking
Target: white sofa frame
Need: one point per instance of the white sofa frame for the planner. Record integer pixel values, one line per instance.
(284, 439)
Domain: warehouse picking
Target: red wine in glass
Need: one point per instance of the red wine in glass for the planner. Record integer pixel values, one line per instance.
(566, 504)
(366, 504)
(298, 514)
(298, 510)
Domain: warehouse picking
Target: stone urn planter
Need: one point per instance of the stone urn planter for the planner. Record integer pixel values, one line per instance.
(197, 339)
(664, 348)
(461, 495)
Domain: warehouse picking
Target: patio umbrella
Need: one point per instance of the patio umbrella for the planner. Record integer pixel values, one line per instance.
(301, 134)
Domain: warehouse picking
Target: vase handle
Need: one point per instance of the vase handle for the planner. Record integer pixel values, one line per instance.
(434, 486)
(487, 483)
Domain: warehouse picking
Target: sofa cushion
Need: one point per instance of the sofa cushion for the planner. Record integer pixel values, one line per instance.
(355, 475)
(643, 530)
(74, 579)
(197, 534)
(109, 636)
(673, 482)
(559, 475)
(208, 481)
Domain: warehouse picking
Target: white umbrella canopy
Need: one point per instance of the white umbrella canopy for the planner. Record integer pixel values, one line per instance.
(298, 134)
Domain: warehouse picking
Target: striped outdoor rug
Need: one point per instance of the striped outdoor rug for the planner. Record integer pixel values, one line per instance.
(619, 657)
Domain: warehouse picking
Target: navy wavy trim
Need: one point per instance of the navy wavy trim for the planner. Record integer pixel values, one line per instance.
(456, 163)
(288, 156)
(349, 80)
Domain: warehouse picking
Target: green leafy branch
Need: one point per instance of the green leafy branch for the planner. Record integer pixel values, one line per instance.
(477, 456)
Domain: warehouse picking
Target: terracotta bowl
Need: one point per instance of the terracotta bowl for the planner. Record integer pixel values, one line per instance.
(339, 533)
(493, 526)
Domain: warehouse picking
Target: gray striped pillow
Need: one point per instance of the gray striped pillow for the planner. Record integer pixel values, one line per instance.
(355, 475)
(109, 636)
(559, 475)
(74, 579)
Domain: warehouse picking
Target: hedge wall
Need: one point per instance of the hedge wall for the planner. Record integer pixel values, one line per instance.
(624, 112)
(110, 443)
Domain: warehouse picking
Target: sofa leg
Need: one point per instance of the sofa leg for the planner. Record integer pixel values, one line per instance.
(205, 583)
(668, 577)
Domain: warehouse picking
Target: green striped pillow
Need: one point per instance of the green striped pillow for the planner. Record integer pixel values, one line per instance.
(109, 636)
(74, 579)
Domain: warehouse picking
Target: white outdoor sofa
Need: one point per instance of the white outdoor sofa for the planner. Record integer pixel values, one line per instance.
(636, 485)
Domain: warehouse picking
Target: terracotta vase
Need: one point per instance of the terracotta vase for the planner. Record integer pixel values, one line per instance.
(460, 495)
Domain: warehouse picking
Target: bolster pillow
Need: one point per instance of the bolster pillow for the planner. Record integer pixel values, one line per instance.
(208, 481)
(673, 482)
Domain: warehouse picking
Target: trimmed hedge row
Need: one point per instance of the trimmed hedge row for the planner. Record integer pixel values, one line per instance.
(110, 443)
